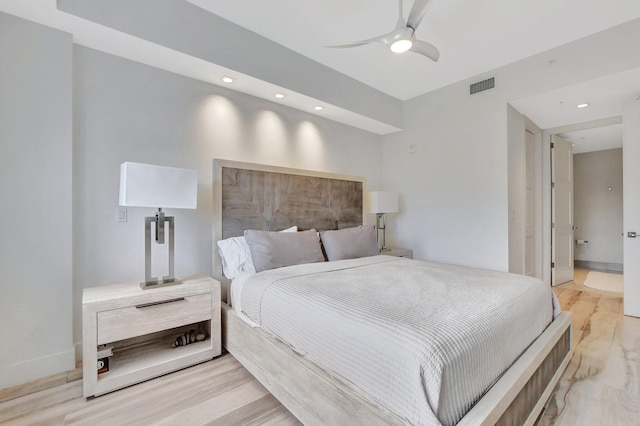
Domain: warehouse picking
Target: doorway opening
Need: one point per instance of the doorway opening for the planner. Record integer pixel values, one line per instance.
(597, 209)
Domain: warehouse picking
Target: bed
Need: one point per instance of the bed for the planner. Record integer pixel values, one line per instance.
(367, 362)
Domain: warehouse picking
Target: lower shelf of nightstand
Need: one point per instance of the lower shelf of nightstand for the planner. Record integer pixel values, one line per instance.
(132, 366)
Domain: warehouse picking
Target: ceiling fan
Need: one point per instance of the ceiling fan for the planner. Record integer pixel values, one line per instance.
(402, 38)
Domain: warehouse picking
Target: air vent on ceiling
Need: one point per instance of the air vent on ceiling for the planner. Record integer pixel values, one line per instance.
(480, 86)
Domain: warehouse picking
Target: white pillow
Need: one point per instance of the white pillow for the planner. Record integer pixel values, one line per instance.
(236, 256)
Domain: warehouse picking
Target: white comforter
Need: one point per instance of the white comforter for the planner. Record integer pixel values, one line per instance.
(424, 340)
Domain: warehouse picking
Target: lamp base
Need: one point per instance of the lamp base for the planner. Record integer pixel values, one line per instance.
(155, 282)
(147, 285)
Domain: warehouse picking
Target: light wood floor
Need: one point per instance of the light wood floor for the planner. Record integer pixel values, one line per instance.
(601, 386)
(218, 392)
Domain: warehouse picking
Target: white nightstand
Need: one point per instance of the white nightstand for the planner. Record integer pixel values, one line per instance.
(398, 252)
(141, 325)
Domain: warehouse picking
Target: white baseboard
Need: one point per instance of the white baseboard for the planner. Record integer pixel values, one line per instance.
(28, 371)
(599, 266)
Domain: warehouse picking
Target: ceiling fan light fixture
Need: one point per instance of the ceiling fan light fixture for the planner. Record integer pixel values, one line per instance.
(401, 46)
(402, 38)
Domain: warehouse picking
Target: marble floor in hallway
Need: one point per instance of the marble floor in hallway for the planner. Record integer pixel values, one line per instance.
(601, 385)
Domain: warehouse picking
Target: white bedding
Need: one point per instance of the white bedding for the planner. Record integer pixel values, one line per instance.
(424, 340)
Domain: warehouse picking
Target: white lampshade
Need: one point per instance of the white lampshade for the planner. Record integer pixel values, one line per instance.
(383, 202)
(146, 185)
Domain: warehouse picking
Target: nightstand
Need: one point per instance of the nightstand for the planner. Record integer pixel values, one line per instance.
(398, 252)
(140, 326)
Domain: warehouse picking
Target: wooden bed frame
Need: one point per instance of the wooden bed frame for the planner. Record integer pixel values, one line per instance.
(314, 395)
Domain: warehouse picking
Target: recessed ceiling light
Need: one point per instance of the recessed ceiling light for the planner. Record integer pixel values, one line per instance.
(318, 108)
(582, 105)
(227, 79)
(279, 95)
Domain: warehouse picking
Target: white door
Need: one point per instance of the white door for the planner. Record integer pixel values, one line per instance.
(529, 209)
(561, 211)
(631, 209)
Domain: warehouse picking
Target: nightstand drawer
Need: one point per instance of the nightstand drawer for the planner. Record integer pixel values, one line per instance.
(132, 321)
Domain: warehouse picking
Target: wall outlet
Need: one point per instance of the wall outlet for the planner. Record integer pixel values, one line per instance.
(122, 214)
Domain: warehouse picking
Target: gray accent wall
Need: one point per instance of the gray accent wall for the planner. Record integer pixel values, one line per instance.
(35, 201)
(598, 210)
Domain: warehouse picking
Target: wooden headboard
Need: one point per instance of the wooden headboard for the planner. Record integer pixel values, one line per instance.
(257, 196)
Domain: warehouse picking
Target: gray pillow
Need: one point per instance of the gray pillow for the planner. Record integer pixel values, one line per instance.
(350, 243)
(271, 250)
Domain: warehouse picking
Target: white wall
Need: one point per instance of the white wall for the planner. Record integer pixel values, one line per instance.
(454, 189)
(125, 111)
(598, 210)
(516, 182)
(35, 201)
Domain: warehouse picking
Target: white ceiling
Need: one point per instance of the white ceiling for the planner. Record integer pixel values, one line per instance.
(473, 36)
(596, 139)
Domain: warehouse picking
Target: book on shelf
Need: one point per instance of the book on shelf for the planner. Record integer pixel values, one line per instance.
(105, 350)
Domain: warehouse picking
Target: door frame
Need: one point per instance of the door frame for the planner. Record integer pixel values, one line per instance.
(546, 183)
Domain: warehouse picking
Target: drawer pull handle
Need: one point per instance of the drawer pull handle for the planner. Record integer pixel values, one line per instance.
(146, 305)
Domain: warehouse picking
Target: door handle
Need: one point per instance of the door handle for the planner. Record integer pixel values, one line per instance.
(631, 234)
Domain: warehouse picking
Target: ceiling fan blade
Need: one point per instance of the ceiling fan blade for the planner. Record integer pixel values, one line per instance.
(401, 22)
(381, 39)
(426, 49)
(353, 44)
(417, 13)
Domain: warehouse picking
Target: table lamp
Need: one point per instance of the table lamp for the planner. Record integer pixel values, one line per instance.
(146, 185)
(381, 203)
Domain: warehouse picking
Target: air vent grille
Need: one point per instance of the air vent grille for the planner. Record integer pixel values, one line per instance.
(481, 86)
